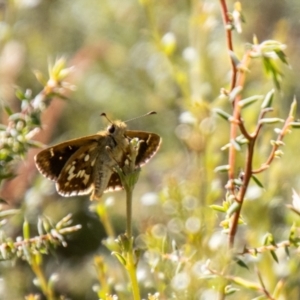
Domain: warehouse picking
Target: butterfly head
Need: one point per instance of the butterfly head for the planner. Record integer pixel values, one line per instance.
(116, 128)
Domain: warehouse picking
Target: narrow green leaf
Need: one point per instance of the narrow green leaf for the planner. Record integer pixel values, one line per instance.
(257, 181)
(266, 62)
(20, 94)
(8, 110)
(248, 101)
(236, 145)
(246, 283)
(234, 58)
(295, 125)
(268, 99)
(287, 251)
(272, 240)
(26, 230)
(218, 208)
(241, 263)
(229, 290)
(226, 116)
(225, 147)
(9, 212)
(274, 255)
(266, 239)
(272, 70)
(223, 168)
(236, 91)
(233, 208)
(120, 257)
(272, 45)
(281, 55)
(35, 144)
(270, 121)
(238, 182)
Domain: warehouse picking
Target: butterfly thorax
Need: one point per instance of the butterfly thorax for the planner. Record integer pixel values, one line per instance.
(113, 149)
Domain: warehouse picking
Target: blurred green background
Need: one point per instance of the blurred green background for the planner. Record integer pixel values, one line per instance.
(131, 57)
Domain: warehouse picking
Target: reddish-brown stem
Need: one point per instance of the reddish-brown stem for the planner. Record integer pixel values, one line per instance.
(237, 116)
(242, 192)
(227, 25)
(232, 151)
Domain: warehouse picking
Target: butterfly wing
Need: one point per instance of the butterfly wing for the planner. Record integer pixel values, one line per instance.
(70, 165)
(149, 145)
(114, 183)
(51, 161)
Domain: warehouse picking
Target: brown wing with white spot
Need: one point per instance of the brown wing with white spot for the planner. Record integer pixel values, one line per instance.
(77, 176)
(51, 161)
(114, 183)
(148, 147)
(70, 164)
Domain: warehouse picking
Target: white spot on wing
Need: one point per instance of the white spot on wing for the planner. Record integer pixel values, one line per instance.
(71, 170)
(93, 162)
(86, 179)
(68, 168)
(71, 176)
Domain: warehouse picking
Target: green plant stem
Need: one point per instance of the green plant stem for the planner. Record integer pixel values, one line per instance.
(129, 192)
(131, 268)
(42, 281)
(130, 261)
(101, 274)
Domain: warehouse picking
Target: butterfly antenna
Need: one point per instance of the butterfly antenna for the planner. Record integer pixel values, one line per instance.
(147, 114)
(106, 117)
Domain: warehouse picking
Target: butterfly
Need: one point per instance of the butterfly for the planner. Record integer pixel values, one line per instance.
(86, 165)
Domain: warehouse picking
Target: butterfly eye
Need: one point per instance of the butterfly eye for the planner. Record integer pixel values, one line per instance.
(111, 129)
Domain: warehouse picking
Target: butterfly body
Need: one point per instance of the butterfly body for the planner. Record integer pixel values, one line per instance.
(86, 165)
